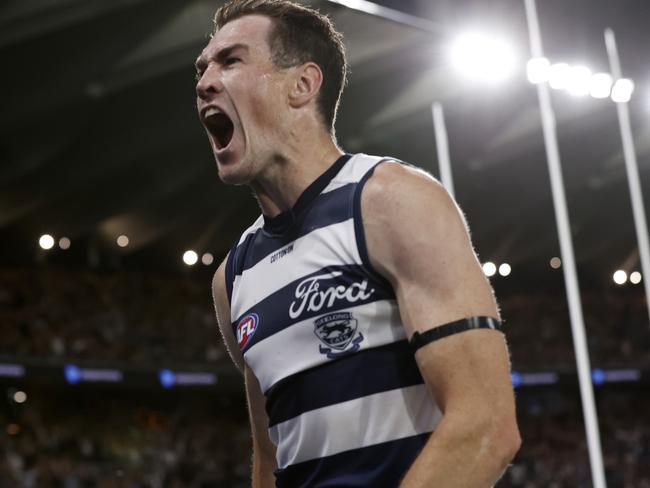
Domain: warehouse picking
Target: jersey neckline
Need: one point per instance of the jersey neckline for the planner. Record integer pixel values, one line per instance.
(282, 222)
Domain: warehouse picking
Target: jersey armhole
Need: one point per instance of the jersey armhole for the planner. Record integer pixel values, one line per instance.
(359, 233)
(230, 271)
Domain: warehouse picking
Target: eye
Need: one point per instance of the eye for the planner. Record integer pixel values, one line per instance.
(198, 74)
(231, 60)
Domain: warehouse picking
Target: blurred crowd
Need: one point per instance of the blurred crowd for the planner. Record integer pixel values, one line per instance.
(554, 451)
(116, 316)
(539, 330)
(138, 317)
(127, 439)
(96, 439)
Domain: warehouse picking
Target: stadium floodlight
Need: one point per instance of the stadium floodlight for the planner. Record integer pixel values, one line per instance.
(635, 277)
(122, 241)
(482, 57)
(505, 269)
(46, 241)
(64, 243)
(555, 262)
(207, 258)
(579, 82)
(20, 397)
(489, 268)
(538, 70)
(559, 76)
(601, 85)
(622, 90)
(190, 258)
(620, 277)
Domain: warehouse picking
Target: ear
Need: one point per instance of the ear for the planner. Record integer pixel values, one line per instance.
(306, 85)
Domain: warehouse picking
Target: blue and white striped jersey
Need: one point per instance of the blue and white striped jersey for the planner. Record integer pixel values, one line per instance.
(320, 329)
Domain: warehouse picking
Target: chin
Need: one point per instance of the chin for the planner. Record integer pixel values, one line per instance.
(233, 172)
(233, 179)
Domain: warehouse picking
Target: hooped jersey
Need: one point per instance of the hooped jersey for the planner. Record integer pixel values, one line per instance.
(321, 331)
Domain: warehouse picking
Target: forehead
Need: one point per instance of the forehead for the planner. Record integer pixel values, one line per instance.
(251, 30)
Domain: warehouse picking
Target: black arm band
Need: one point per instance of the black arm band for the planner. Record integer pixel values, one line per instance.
(420, 339)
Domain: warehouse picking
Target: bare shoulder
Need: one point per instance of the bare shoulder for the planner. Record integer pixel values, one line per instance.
(395, 179)
(219, 280)
(222, 308)
(405, 194)
(407, 212)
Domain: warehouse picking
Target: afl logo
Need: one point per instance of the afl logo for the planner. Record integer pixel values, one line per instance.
(246, 328)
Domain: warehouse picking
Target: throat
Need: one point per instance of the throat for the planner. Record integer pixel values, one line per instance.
(294, 188)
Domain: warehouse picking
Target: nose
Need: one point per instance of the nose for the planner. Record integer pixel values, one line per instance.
(209, 83)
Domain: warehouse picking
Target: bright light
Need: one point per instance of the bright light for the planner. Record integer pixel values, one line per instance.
(505, 269)
(64, 243)
(489, 268)
(538, 70)
(46, 241)
(20, 397)
(601, 85)
(559, 76)
(482, 57)
(555, 262)
(635, 277)
(620, 277)
(190, 258)
(122, 241)
(579, 82)
(207, 259)
(622, 91)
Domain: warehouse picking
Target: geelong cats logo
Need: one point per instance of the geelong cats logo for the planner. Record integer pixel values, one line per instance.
(338, 331)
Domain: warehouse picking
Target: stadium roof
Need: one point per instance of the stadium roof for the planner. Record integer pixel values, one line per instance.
(99, 134)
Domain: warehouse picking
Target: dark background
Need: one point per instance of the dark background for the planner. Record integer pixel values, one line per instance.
(99, 137)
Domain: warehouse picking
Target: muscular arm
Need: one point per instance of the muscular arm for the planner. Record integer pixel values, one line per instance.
(263, 449)
(417, 238)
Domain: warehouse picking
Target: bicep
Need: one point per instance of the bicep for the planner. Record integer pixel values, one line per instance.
(418, 239)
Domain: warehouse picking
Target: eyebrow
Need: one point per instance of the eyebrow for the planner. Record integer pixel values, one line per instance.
(221, 55)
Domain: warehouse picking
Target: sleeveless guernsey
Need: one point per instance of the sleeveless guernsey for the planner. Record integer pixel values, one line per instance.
(320, 329)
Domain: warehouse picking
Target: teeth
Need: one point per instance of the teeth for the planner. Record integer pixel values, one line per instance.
(211, 111)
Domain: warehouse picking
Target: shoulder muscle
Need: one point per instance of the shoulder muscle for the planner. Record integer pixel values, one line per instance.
(418, 239)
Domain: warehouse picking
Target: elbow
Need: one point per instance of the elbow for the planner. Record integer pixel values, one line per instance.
(495, 438)
(498, 441)
(507, 441)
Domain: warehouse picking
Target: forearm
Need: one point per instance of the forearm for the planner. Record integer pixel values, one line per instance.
(458, 456)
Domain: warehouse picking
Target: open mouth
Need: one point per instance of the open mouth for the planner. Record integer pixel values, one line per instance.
(221, 128)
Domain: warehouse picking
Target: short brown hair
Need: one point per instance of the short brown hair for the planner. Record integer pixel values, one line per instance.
(299, 35)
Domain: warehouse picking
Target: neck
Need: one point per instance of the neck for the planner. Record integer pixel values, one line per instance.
(292, 171)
